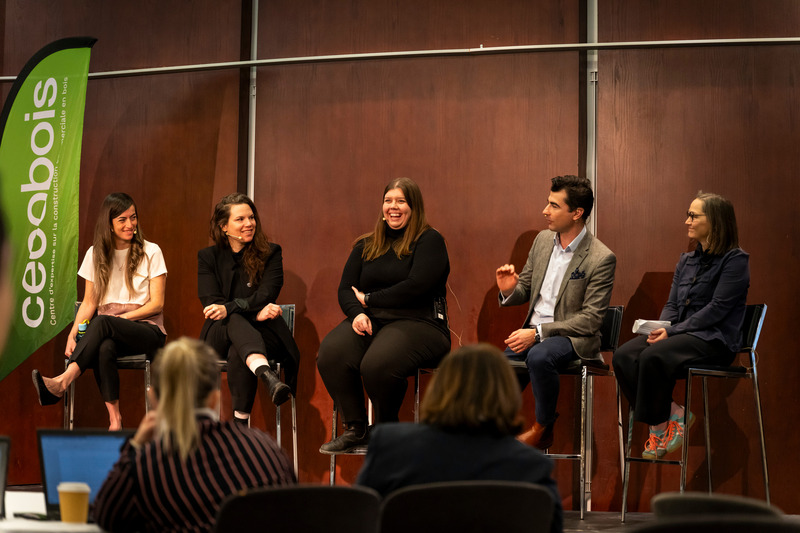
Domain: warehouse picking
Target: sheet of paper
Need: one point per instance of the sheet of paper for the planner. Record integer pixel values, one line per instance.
(644, 327)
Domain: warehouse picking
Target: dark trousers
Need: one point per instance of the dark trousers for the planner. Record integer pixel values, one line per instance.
(646, 373)
(383, 361)
(544, 359)
(236, 338)
(109, 337)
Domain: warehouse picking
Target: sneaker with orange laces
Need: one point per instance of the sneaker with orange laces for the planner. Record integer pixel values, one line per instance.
(674, 435)
(655, 447)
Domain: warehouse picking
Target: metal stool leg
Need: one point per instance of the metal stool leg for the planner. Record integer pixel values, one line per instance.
(333, 456)
(707, 426)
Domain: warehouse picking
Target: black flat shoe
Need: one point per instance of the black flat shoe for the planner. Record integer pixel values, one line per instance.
(346, 442)
(45, 396)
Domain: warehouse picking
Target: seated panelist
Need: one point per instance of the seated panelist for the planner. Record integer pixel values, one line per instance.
(239, 279)
(705, 310)
(126, 279)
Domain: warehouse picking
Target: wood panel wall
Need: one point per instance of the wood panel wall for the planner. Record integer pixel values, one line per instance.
(481, 135)
(724, 120)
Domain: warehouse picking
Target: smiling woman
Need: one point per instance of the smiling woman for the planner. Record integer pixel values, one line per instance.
(125, 284)
(238, 281)
(393, 293)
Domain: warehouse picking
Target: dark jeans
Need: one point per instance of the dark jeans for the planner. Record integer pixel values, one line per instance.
(109, 337)
(544, 359)
(646, 373)
(383, 360)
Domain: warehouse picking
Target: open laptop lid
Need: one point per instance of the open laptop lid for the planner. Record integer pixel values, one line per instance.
(85, 455)
(5, 444)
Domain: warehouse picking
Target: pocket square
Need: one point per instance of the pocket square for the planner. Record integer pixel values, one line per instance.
(577, 274)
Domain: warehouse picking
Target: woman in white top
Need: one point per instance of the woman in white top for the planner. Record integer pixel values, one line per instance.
(125, 282)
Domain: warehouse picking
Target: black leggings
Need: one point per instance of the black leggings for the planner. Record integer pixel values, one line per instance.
(236, 338)
(383, 360)
(646, 373)
(109, 337)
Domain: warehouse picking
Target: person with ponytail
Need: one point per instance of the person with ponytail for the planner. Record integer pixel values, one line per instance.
(174, 473)
(239, 279)
(126, 280)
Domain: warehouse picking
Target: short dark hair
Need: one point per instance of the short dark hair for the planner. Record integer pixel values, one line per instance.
(579, 193)
(474, 390)
(724, 234)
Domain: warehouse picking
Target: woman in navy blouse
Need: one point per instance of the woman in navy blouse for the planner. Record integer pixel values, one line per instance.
(705, 308)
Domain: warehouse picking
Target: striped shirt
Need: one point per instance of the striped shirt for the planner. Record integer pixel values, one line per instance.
(152, 489)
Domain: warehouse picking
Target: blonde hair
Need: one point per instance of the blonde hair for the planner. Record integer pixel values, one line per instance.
(474, 391)
(186, 373)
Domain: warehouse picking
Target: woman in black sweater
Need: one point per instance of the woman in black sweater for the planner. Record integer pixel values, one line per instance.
(393, 293)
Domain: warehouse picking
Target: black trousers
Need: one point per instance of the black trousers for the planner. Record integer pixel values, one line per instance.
(379, 363)
(646, 373)
(109, 337)
(240, 337)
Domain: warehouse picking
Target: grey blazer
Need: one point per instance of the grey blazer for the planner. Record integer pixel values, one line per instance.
(584, 294)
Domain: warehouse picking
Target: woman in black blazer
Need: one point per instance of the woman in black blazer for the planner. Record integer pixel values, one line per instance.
(238, 281)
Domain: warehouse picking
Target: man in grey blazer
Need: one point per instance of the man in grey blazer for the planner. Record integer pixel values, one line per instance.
(567, 279)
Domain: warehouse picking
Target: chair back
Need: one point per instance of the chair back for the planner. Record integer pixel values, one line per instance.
(720, 523)
(468, 506)
(751, 326)
(306, 508)
(694, 504)
(609, 331)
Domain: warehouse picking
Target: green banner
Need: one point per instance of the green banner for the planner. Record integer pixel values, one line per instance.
(41, 128)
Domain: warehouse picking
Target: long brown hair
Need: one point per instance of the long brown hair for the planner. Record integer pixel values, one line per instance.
(114, 205)
(256, 251)
(186, 373)
(474, 390)
(376, 244)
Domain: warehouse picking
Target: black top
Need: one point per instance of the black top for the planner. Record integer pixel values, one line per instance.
(398, 287)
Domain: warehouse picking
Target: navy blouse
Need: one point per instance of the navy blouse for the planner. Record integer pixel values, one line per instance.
(708, 296)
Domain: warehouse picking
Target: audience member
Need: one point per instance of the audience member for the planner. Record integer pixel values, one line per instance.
(470, 415)
(173, 474)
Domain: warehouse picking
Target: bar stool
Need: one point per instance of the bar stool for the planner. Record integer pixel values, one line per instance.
(125, 362)
(587, 370)
(288, 311)
(362, 450)
(751, 331)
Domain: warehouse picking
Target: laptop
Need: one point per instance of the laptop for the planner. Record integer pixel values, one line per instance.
(85, 455)
(5, 444)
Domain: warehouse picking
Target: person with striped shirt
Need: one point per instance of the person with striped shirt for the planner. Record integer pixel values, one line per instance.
(174, 473)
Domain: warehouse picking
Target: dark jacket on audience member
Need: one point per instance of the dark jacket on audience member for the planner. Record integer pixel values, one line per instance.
(403, 454)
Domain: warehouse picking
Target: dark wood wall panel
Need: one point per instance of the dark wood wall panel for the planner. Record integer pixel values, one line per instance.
(723, 120)
(169, 141)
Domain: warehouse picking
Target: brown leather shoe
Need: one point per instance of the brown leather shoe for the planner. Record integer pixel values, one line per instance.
(538, 436)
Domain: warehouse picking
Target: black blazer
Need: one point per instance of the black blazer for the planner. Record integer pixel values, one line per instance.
(215, 285)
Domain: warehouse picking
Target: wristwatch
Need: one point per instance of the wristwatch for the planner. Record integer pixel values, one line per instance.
(366, 298)
(538, 338)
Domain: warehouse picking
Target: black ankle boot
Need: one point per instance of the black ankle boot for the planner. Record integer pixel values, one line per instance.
(278, 390)
(354, 436)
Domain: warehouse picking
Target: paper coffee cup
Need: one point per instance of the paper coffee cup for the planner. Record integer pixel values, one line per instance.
(73, 500)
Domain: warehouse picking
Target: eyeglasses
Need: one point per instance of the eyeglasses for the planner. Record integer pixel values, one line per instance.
(693, 216)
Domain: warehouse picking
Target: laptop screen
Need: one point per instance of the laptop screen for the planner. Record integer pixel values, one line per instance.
(85, 455)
